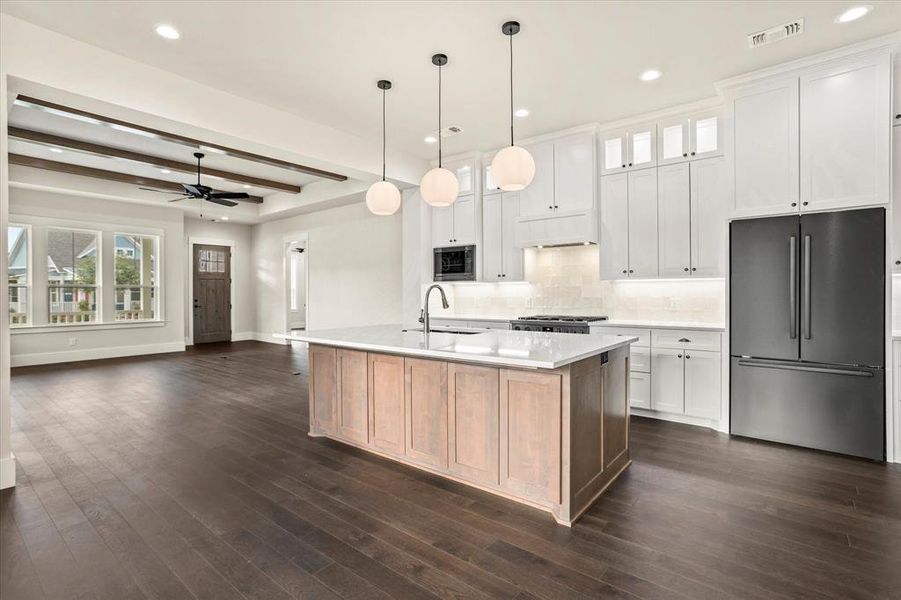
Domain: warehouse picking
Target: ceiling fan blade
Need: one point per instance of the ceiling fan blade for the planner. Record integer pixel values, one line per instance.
(159, 191)
(178, 199)
(222, 202)
(230, 195)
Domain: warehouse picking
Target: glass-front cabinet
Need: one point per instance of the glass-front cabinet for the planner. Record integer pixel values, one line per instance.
(629, 149)
(689, 138)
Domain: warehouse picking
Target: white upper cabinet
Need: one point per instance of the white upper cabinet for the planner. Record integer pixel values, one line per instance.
(466, 176)
(689, 138)
(488, 183)
(614, 233)
(846, 134)
(502, 260)
(537, 198)
(709, 189)
(643, 223)
(896, 94)
(574, 173)
(766, 136)
(442, 226)
(674, 220)
(896, 202)
(454, 225)
(624, 150)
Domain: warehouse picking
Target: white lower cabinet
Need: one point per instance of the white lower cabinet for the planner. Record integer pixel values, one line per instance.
(640, 390)
(702, 384)
(668, 381)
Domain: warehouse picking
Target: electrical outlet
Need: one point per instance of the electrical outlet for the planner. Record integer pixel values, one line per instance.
(73, 341)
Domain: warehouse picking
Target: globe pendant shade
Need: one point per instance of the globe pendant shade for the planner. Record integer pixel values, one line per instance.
(439, 187)
(513, 168)
(383, 198)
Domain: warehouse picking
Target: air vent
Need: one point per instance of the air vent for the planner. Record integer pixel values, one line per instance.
(775, 34)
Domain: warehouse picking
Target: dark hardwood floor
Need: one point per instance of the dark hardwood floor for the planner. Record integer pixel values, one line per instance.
(191, 476)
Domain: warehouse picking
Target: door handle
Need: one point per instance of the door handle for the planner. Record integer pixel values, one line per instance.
(792, 288)
(806, 291)
(809, 368)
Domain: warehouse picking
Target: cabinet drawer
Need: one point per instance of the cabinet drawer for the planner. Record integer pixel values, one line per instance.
(641, 360)
(643, 335)
(685, 339)
(640, 390)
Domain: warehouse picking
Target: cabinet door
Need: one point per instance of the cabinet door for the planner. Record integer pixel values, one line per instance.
(615, 149)
(353, 396)
(473, 405)
(706, 135)
(538, 197)
(323, 389)
(512, 263)
(640, 390)
(492, 249)
(643, 223)
(642, 147)
(708, 217)
(442, 226)
(530, 451)
(672, 141)
(488, 183)
(896, 202)
(425, 396)
(615, 226)
(674, 220)
(466, 178)
(766, 149)
(464, 220)
(574, 175)
(845, 135)
(702, 384)
(386, 403)
(667, 385)
(896, 94)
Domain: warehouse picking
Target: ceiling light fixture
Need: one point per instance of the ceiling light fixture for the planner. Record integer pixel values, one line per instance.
(439, 187)
(853, 13)
(166, 171)
(430, 139)
(246, 187)
(650, 75)
(513, 168)
(223, 218)
(522, 112)
(56, 150)
(167, 31)
(383, 197)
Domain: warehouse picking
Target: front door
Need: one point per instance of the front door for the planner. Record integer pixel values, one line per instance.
(212, 293)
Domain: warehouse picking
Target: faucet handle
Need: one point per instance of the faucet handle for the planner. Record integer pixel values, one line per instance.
(422, 315)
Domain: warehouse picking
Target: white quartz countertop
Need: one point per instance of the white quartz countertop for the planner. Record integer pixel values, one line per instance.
(530, 349)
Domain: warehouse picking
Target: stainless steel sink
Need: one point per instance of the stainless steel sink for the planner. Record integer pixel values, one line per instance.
(455, 331)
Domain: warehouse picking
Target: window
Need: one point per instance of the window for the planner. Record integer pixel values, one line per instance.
(17, 269)
(72, 279)
(212, 261)
(136, 277)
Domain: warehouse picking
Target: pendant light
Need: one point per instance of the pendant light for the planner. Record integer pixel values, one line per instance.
(513, 167)
(383, 197)
(439, 187)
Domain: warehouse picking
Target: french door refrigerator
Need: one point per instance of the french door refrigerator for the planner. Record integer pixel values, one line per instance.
(807, 327)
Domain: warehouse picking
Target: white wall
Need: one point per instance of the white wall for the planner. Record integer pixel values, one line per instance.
(240, 238)
(52, 344)
(353, 266)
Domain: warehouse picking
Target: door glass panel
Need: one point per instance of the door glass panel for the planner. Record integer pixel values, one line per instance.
(641, 148)
(613, 153)
(672, 141)
(212, 261)
(705, 135)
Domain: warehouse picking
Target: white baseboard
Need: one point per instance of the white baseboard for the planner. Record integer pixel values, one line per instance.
(46, 358)
(269, 339)
(684, 419)
(243, 336)
(7, 472)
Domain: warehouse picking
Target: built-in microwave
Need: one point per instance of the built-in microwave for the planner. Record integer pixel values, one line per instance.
(457, 263)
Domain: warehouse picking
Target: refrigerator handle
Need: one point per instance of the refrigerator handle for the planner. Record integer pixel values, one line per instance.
(793, 287)
(805, 325)
(809, 368)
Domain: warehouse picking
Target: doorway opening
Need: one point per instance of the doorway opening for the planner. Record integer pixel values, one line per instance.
(296, 285)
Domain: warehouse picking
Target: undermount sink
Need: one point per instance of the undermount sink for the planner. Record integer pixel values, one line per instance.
(455, 331)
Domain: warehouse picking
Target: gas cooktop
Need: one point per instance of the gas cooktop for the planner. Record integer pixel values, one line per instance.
(563, 318)
(555, 323)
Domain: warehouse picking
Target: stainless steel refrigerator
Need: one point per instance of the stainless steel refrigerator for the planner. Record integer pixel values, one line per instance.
(807, 330)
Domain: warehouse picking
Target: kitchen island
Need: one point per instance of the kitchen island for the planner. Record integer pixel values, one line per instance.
(540, 418)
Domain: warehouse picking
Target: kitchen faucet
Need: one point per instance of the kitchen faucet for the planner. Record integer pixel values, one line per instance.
(424, 313)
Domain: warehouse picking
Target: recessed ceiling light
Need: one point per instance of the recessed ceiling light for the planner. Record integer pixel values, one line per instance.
(854, 13)
(165, 171)
(57, 150)
(650, 75)
(430, 139)
(246, 187)
(522, 112)
(167, 31)
(224, 218)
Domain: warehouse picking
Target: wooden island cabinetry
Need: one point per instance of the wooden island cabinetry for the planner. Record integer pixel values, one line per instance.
(550, 438)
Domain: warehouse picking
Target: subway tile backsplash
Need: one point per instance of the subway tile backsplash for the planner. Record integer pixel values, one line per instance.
(566, 281)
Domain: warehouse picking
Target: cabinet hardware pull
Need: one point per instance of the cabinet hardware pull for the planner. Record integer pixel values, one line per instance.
(630, 164)
(685, 154)
(624, 166)
(631, 271)
(684, 340)
(685, 269)
(804, 204)
(692, 153)
(678, 356)
(624, 271)
(688, 356)
(898, 262)
(794, 204)
(694, 268)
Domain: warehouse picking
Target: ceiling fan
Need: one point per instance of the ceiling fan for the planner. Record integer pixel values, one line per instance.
(203, 192)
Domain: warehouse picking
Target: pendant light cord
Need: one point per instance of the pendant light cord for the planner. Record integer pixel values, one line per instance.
(439, 116)
(384, 133)
(511, 89)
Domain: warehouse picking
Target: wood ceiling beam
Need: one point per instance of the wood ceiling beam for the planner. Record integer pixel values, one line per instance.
(61, 167)
(180, 139)
(47, 139)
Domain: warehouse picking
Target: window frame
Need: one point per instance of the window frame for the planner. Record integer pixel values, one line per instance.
(155, 289)
(29, 275)
(97, 286)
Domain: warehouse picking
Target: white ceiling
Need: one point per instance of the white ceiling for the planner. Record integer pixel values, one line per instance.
(576, 62)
